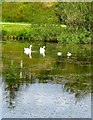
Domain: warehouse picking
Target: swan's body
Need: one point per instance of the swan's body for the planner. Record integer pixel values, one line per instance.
(42, 50)
(69, 54)
(27, 50)
(59, 53)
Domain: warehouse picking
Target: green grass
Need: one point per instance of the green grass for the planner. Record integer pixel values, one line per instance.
(33, 12)
(13, 29)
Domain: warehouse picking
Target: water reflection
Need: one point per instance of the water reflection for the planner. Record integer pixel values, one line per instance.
(47, 100)
(1, 98)
(21, 66)
(73, 75)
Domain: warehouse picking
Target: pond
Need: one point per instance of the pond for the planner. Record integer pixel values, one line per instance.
(46, 85)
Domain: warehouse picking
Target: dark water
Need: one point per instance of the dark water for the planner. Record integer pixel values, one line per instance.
(37, 86)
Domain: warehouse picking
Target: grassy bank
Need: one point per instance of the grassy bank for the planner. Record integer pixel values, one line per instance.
(46, 21)
(32, 12)
(46, 32)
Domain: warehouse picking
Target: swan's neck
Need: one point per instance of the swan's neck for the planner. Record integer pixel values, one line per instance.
(43, 47)
(30, 47)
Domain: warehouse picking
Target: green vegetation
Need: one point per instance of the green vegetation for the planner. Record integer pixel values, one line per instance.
(45, 32)
(75, 14)
(35, 12)
(47, 19)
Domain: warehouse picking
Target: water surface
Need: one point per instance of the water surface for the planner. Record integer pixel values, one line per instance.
(37, 86)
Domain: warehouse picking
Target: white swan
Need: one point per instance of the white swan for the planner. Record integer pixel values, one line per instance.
(42, 51)
(69, 54)
(27, 50)
(59, 53)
